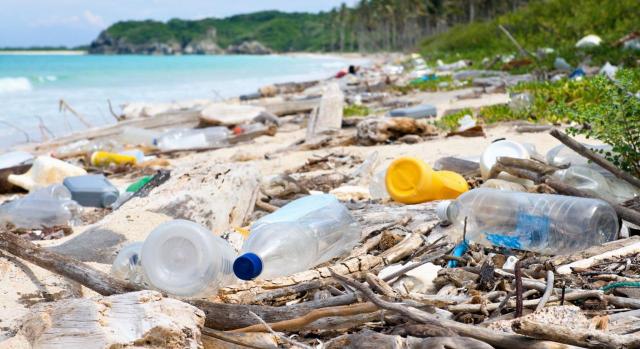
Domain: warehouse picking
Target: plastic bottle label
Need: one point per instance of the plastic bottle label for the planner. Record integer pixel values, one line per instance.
(530, 231)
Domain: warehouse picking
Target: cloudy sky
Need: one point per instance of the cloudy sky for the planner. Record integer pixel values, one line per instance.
(77, 22)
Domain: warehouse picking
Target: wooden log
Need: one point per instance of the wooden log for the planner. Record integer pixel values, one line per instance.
(533, 128)
(138, 319)
(599, 160)
(214, 339)
(68, 267)
(368, 339)
(292, 107)
(573, 336)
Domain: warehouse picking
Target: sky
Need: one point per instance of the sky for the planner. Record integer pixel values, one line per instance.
(25, 23)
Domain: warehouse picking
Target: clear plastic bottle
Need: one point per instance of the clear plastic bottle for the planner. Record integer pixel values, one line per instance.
(300, 235)
(602, 184)
(193, 138)
(127, 264)
(46, 207)
(185, 259)
(544, 223)
(562, 155)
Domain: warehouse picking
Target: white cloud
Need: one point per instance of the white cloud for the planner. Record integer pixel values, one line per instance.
(93, 19)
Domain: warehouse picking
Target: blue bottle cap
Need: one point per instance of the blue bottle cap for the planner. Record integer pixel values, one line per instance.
(248, 266)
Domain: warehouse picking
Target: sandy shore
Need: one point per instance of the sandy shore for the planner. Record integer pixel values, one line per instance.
(23, 284)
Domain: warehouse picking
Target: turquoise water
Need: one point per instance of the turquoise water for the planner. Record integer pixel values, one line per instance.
(32, 85)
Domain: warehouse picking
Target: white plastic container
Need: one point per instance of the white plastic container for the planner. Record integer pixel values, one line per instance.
(185, 259)
(548, 224)
(44, 172)
(300, 235)
(500, 148)
(44, 208)
(193, 138)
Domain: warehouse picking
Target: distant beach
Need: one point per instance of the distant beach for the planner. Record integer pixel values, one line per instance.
(43, 52)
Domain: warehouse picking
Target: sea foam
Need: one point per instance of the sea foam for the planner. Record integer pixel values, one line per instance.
(21, 84)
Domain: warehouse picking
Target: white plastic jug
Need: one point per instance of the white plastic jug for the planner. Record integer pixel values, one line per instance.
(44, 172)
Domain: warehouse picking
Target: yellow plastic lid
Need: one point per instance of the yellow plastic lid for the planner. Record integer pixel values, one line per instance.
(405, 178)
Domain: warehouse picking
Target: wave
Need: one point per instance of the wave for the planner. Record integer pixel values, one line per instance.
(47, 78)
(20, 84)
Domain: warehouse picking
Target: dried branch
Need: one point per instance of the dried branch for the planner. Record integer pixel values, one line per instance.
(547, 291)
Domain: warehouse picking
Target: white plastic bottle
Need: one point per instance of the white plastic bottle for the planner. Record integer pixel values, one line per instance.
(181, 258)
(300, 235)
(544, 223)
(193, 138)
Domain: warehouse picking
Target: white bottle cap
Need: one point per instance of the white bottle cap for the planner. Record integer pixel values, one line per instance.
(441, 211)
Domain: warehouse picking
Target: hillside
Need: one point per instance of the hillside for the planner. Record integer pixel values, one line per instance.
(278, 31)
(556, 24)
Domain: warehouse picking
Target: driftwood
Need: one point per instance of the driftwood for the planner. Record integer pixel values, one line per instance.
(68, 267)
(292, 106)
(599, 160)
(369, 339)
(533, 128)
(299, 323)
(577, 337)
(214, 339)
(183, 119)
(142, 319)
(499, 340)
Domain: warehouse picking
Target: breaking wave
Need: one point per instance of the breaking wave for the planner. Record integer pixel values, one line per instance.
(21, 84)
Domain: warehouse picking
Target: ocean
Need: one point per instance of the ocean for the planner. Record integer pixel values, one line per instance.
(31, 86)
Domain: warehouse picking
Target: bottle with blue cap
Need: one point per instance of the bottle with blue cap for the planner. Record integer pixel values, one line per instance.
(298, 236)
(178, 257)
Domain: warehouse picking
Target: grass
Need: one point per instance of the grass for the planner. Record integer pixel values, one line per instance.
(557, 24)
(355, 110)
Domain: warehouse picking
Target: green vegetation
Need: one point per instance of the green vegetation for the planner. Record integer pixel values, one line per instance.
(355, 110)
(449, 122)
(277, 30)
(556, 24)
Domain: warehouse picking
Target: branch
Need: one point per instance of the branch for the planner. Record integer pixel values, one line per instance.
(599, 160)
(547, 291)
(68, 267)
(300, 322)
(574, 336)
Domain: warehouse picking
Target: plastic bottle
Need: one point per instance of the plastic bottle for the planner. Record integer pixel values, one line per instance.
(138, 136)
(300, 235)
(45, 171)
(185, 259)
(562, 155)
(103, 158)
(127, 264)
(193, 138)
(92, 190)
(544, 223)
(410, 180)
(600, 183)
(44, 208)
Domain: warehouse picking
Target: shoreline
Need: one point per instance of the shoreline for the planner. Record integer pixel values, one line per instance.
(44, 53)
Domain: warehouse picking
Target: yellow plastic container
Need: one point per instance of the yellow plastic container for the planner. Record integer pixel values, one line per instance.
(411, 181)
(103, 158)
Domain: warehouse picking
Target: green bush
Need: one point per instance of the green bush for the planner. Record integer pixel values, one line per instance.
(356, 110)
(611, 115)
(449, 122)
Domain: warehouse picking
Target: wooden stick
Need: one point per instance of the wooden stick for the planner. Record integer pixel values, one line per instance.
(514, 41)
(518, 272)
(500, 340)
(64, 105)
(68, 267)
(242, 339)
(599, 160)
(547, 291)
(574, 336)
(300, 322)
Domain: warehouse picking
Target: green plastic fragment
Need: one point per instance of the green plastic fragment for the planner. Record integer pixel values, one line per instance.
(134, 187)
